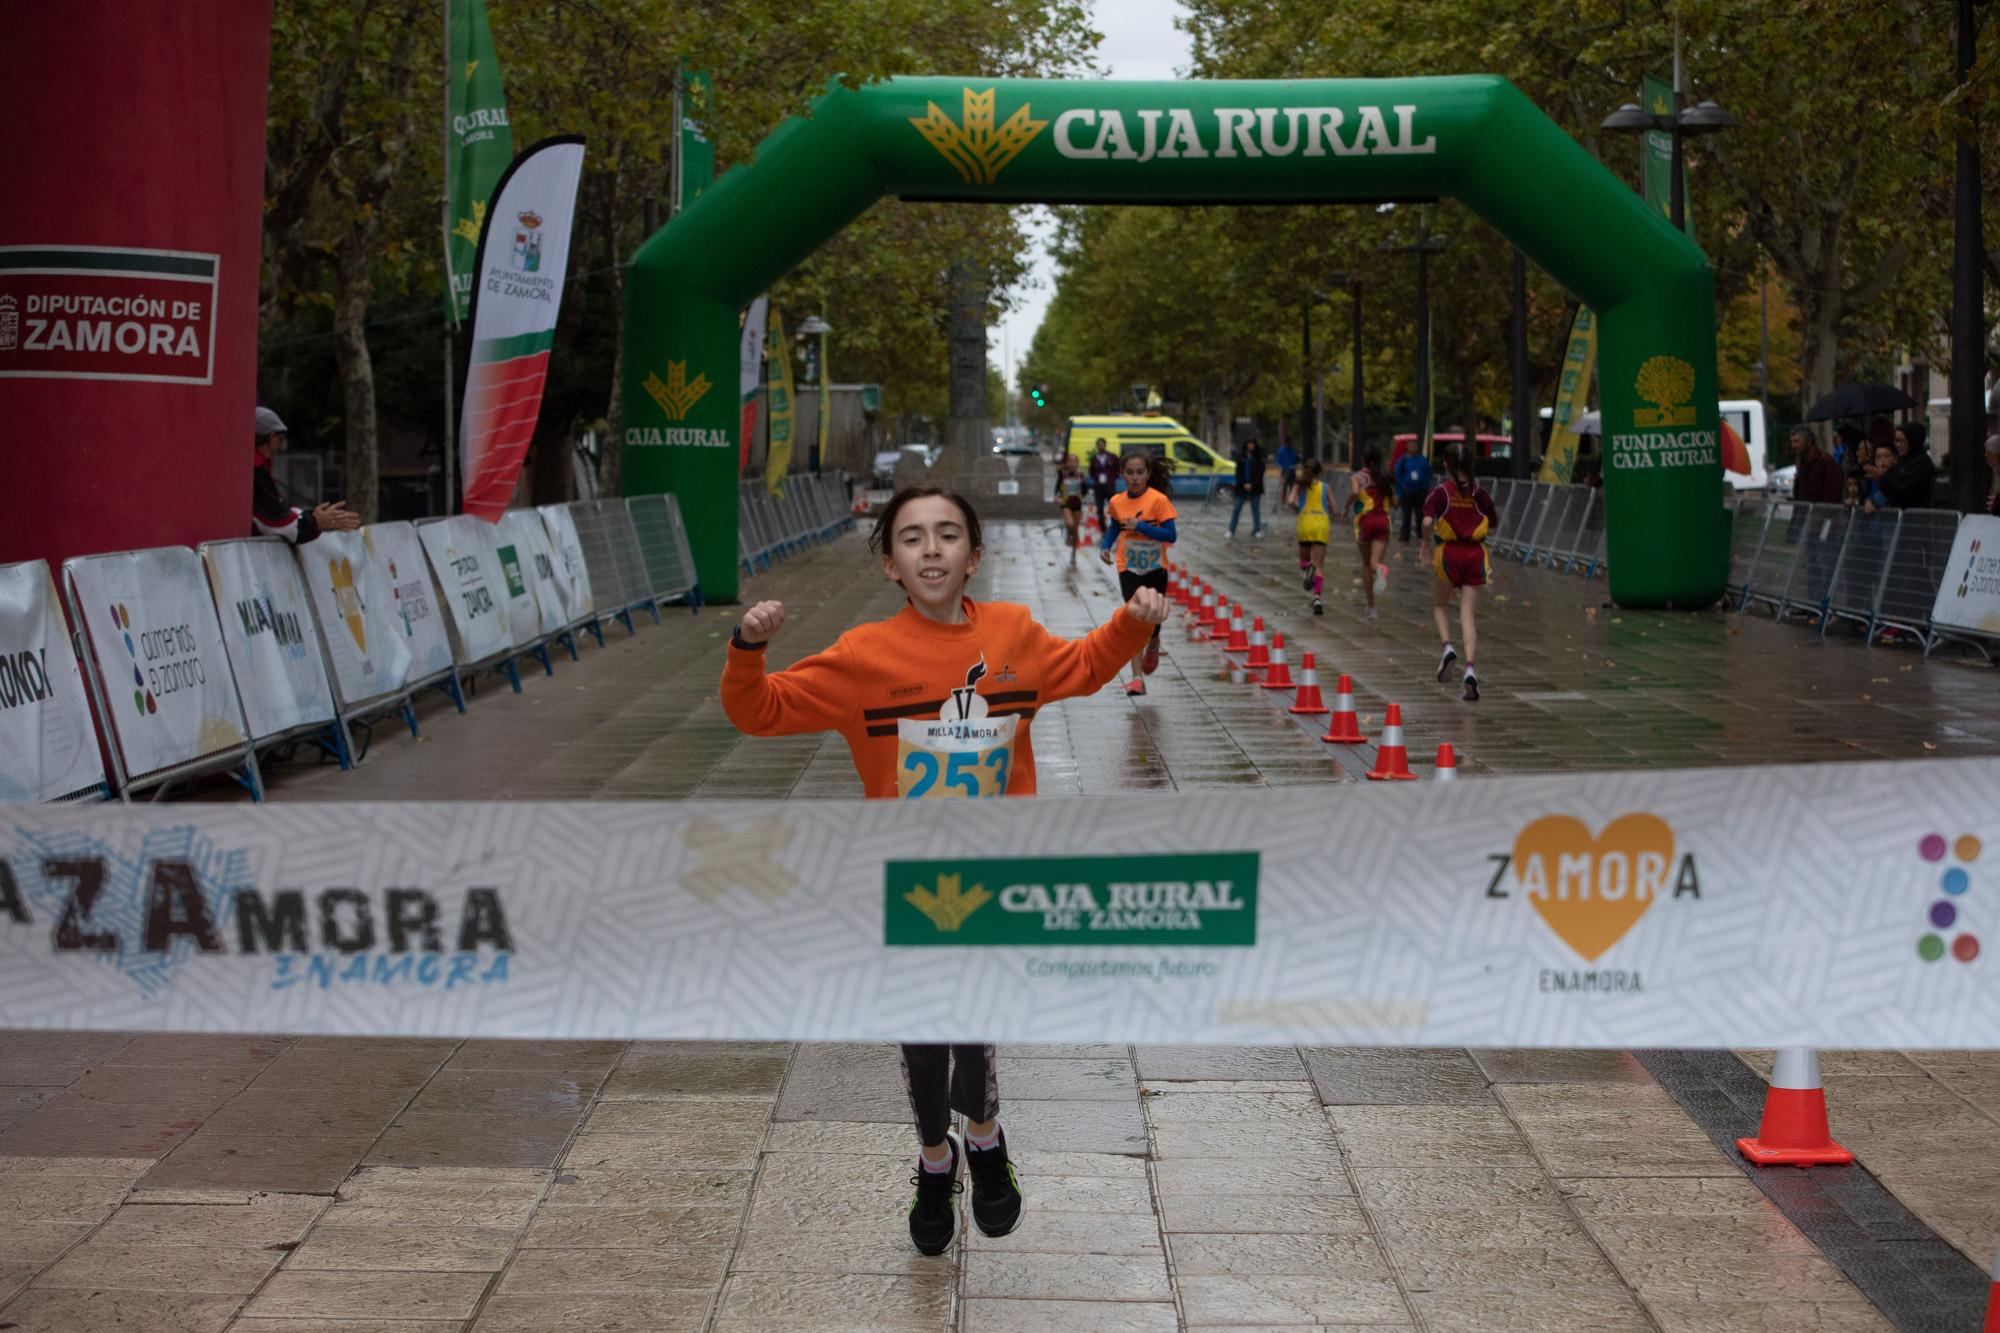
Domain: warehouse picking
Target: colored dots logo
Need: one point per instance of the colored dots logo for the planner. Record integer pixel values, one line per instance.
(1943, 913)
(143, 701)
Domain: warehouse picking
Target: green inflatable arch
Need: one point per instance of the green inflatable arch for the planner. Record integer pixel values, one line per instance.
(1474, 138)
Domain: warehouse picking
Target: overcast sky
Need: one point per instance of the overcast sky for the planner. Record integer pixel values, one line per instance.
(1140, 42)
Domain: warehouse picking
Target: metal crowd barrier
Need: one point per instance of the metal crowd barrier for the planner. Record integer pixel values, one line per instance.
(811, 509)
(611, 557)
(1822, 563)
(663, 547)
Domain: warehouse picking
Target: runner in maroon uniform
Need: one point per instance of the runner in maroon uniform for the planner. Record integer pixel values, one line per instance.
(1459, 513)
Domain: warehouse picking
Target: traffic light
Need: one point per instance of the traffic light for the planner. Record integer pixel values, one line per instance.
(1039, 395)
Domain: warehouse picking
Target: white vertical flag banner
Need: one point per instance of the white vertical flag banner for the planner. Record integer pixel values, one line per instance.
(523, 260)
(750, 370)
(48, 747)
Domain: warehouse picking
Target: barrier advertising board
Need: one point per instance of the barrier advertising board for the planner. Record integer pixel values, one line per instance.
(268, 631)
(575, 577)
(517, 582)
(413, 597)
(48, 745)
(522, 529)
(1968, 596)
(351, 590)
(152, 628)
(471, 585)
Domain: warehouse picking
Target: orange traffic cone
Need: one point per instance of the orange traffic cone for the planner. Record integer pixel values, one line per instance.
(1794, 1132)
(1239, 638)
(1208, 607)
(1279, 677)
(1177, 587)
(1392, 761)
(1343, 728)
(1308, 701)
(1446, 768)
(1260, 649)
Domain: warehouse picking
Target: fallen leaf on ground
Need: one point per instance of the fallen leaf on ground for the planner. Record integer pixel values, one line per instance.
(1852, 745)
(1930, 745)
(1868, 698)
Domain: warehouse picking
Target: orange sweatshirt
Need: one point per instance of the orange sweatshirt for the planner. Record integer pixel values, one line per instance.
(879, 683)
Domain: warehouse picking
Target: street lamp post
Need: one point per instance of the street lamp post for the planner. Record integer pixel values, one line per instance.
(1308, 435)
(1681, 122)
(1428, 243)
(1968, 333)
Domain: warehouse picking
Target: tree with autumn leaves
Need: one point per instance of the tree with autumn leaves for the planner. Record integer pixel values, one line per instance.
(351, 331)
(1833, 196)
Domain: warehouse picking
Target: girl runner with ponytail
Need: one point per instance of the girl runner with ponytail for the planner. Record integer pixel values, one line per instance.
(1141, 527)
(934, 704)
(1315, 527)
(1459, 513)
(1371, 495)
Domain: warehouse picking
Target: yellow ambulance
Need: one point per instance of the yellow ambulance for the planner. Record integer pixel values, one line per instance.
(1197, 469)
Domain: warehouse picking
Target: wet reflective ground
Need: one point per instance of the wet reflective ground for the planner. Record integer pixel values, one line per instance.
(276, 1184)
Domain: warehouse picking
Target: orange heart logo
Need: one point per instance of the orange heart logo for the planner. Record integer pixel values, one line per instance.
(1590, 891)
(348, 598)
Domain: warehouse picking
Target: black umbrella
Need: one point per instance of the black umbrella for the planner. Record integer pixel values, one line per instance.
(1860, 400)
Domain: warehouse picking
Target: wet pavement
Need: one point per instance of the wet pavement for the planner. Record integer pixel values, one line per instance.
(168, 1183)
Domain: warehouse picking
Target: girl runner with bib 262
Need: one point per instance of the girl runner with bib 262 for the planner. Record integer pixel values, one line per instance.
(1140, 530)
(935, 704)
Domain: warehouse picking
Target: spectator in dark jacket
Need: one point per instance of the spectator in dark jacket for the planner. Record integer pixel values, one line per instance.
(1818, 480)
(270, 515)
(1908, 483)
(1413, 485)
(1249, 488)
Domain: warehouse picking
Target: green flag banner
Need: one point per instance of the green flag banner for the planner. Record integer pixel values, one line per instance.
(1572, 398)
(479, 144)
(1656, 155)
(697, 154)
(779, 460)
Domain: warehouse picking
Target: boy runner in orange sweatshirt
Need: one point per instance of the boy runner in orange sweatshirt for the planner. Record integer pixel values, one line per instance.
(935, 703)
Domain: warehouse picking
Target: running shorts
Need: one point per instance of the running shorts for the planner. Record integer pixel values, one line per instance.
(1073, 503)
(1372, 527)
(1462, 564)
(1129, 583)
(1314, 529)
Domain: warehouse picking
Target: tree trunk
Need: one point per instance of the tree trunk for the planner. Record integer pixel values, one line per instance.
(357, 374)
(1819, 344)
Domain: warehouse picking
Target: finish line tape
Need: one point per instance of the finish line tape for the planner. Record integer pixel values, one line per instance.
(1735, 907)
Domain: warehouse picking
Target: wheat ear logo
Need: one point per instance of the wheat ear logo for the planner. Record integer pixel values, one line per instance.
(1667, 382)
(468, 228)
(979, 149)
(947, 907)
(677, 395)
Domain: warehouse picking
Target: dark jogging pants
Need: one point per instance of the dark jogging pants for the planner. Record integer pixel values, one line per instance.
(943, 1079)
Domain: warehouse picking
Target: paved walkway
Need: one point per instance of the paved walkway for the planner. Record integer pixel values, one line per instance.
(169, 1183)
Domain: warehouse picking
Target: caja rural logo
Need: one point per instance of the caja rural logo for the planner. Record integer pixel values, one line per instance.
(677, 394)
(978, 148)
(1201, 899)
(1591, 891)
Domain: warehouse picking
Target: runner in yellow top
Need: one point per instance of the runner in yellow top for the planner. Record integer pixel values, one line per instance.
(1315, 528)
(1141, 527)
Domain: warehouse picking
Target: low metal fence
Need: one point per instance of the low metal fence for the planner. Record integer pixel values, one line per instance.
(770, 528)
(1822, 563)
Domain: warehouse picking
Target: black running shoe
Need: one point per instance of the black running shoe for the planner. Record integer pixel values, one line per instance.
(996, 1190)
(1309, 580)
(1445, 660)
(933, 1213)
(1471, 687)
(1318, 610)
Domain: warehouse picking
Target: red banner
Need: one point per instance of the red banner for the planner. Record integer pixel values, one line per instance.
(128, 284)
(94, 313)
